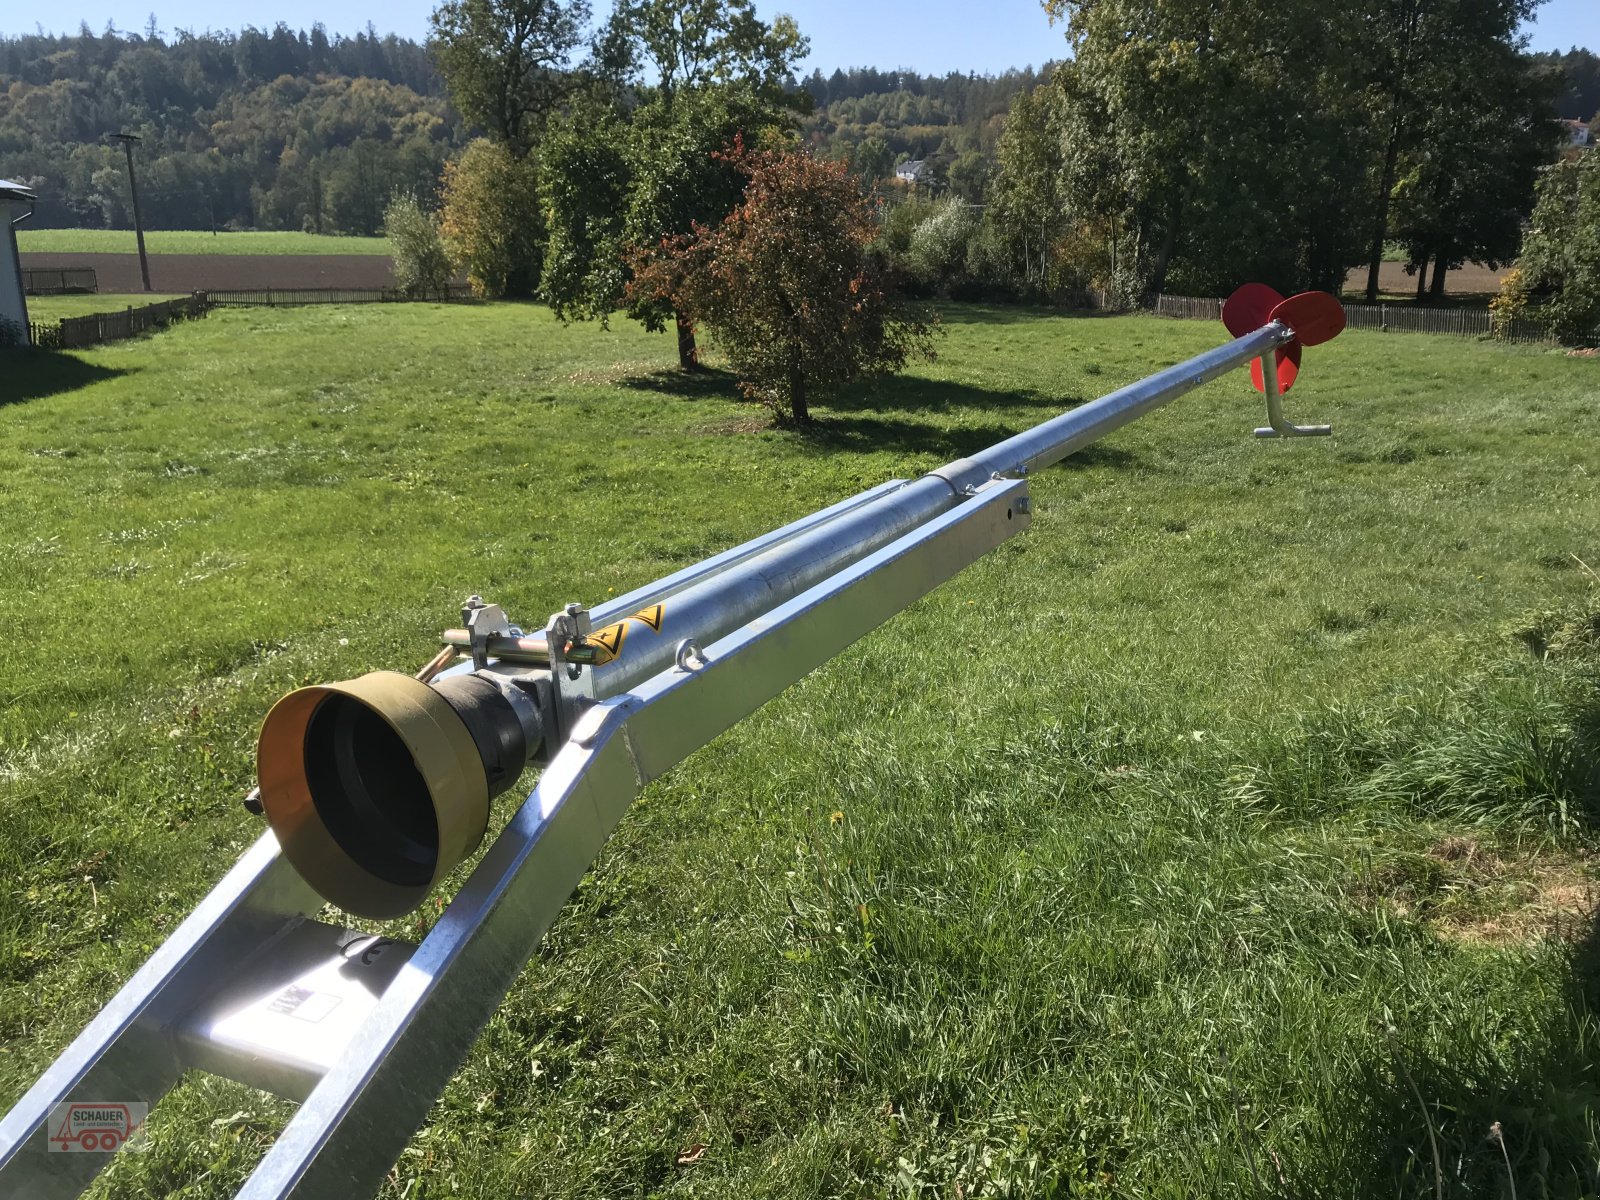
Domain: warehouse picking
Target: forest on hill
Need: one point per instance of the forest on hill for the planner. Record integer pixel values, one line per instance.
(1579, 72)
(264, 130)
(301, 130)
(953, 122)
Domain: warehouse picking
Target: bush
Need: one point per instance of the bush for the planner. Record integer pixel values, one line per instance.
(491, 223)
(900, 221)
(422, 266)
(1560, 263)
(938, 249)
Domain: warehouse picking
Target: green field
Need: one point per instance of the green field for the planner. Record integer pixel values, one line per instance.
(1224, 834)
(192, 241)
(53, 308)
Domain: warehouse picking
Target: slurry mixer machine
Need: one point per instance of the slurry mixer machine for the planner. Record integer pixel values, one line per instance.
(376, 788)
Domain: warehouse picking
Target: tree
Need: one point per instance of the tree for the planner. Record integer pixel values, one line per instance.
(421, 263)
(507, 61)
(871, 160)
(1220, 140)
(789, 285)
(656, 161)
(1560, 263)
(1025, 200)
(1470, 182)
(1421, 51)
(938, 248)
(680, 178)
(697, 44)
(490, 220)
(586, 178)
(969, 176)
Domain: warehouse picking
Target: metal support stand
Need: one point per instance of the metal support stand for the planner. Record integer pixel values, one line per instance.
(1277, 424)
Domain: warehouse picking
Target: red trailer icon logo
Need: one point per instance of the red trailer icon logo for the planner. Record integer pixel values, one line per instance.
(82, 1125)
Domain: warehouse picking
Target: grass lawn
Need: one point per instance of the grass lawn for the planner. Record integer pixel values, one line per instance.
(53, 308)
(192, 241)
(1219, 836)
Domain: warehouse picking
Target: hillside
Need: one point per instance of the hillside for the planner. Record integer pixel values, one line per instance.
(297, 130)
(879, 118)
(278, 130)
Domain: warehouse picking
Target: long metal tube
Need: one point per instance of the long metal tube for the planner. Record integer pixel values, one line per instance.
(1055, 439)
(716, 606)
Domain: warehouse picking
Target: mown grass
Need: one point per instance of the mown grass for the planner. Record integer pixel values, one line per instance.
(53, 308)
(193, 241)
(1166, 852)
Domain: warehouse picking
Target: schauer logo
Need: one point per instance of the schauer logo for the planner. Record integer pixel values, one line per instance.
(79, 1126)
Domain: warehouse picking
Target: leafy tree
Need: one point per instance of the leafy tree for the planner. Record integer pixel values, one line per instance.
(1219, 141)
(900, 221)
(789, 285)
(1577, 76)
(507, 61)
(871, 160)
(1026, 204)
(586, 181)
(1470, 182)
(490, 220)
(1421, 52)
(1560, 263)
(232, 138)
(680, 178)
(693, 45)
(969, 176)
(938, 248)
(421, 263)
(656, 163)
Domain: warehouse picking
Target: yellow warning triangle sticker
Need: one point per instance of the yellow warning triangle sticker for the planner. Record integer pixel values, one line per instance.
(608, 639)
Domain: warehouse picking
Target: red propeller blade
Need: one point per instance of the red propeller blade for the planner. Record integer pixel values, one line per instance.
(1249, 308)
(1315, 317)
(1288, 368)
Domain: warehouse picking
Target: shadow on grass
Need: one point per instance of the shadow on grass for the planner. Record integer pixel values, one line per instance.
(899, 413)
(1529, 1099)
(707, 383)
(870, 434)
(1007, 314)
(34, 374)
(1542, 1100)
(908, 393)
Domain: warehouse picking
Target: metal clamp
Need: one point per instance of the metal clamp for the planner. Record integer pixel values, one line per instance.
(483, 621)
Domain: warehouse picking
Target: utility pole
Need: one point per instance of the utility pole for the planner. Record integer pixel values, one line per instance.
(127, 140)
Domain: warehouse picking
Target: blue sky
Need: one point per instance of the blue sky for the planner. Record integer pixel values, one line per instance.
(927, 35)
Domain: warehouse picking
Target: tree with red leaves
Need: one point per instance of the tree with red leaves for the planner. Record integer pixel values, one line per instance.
(788, 285)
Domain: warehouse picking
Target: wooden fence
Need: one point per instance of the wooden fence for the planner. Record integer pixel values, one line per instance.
(52, 281)
(286, 297)
(1192, 308)
(1388, 318)
(70, 333)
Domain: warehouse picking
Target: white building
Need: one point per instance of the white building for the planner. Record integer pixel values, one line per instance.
(911, 171)
(16, 206)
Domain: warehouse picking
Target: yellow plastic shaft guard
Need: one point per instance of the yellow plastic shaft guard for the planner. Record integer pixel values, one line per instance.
(444, 753)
